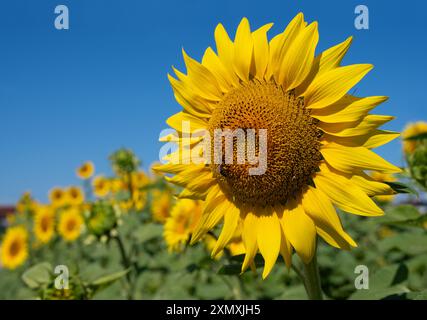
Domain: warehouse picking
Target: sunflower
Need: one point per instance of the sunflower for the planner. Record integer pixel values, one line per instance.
(70, 224)
(412, 130)
(86, 170)
(101, 186)
(14, 249)
(139, 179)
(57, 197)
(180, 225)
(44, 224)
(383, 177)
(319, 141)
(161, 205)
(75, 196)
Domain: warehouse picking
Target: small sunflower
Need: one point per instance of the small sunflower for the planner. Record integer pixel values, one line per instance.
(319, 141)
(101, 186)
(161, 204)
(139, 179)
(44, 224)
(181, 223)
(86, 170)
(383, 177)
(70, 224)
(75, 196)
(14, 248)
(57, 197)
(412, 130)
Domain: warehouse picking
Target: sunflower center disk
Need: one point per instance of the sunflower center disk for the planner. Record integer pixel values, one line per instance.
(292, 148)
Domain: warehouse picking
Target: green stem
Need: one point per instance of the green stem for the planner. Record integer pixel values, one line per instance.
(126, 264)
(312, 279)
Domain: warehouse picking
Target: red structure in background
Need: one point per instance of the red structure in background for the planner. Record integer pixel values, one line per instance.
(4, 210)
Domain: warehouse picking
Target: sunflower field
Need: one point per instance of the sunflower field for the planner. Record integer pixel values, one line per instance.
(327, 218)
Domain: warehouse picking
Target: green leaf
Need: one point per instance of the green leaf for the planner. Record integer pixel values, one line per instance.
(109, 279)
(38, 275)
(400, 187)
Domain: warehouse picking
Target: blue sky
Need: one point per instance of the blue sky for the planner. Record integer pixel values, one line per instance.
(71, 95)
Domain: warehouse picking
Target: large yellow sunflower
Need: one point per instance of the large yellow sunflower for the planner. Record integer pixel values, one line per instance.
(318, 147)
(44, 224)
(180, 225)
(70, 224)
(14, 248)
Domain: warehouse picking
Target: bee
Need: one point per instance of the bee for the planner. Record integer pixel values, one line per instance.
(221, 170)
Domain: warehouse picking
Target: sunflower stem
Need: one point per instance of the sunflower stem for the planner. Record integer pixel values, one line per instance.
(126, 265)
(312, 279)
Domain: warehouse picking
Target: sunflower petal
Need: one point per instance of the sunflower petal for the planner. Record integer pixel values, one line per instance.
(231, 220)
(268, 238)
(249, 237)
(318, 206)
(211, 61)
(201, 78)
(333, 85)
(351, 159)
(346, 195)
(297, 63)
(225, 48)
(332, 57)
(300, 230)
(374, 139)
(261, 50)
(347, 109)
(243, 50)
(350, 129)
(280, 44)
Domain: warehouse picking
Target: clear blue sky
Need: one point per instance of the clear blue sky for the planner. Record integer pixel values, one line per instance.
(68, 96)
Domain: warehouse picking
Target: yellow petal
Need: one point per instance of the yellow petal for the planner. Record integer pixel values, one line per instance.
(297, 63)
(374, 139)
(190, 101)
(268, 238)
(212, 215)
(285, 245)
(352, 159)
(243, 50)
(249, 237)
(261, 50)
(211, 61)
(350, 129)
(332, 57)
(333, 85)
(324, 62)
(300, 230)
(231, 220)
(202, 79)
(185, 122)
(280, 44)
(225, 49)
(370, 186)
(346, 195)
(318, 206)
(347, 109)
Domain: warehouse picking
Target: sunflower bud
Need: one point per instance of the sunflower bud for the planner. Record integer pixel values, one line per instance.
(124, 161)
